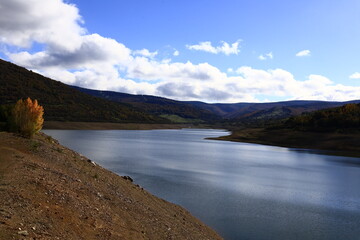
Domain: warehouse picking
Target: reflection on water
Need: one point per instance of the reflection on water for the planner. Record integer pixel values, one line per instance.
(244, 191)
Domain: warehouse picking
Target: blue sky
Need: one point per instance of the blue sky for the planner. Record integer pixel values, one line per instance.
(214, 51)
(330, 29)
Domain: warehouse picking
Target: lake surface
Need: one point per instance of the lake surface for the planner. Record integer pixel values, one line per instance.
(243, 191)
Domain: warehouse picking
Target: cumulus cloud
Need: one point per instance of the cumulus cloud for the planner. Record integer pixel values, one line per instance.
(72, 55)
(279, 82)
(355, 75)
(52, 22)
(145, 52)
(93, 50)
(303, 53)
(145, 69)
(176, 53)
(225, 48)
(266, 56)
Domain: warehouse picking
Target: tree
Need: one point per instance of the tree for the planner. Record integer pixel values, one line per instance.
(27, 117)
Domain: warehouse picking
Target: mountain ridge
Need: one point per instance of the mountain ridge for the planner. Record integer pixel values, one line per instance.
(217, 111)
(71, 103)
(154, 104)
(62, 102)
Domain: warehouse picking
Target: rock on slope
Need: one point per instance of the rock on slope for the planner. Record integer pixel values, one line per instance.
(50, 192)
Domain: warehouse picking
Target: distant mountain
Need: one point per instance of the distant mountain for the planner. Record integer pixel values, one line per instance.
(69, 103)
(175, 111)
(266, 111)
(182, 111)
(221, 109)
(62, 102)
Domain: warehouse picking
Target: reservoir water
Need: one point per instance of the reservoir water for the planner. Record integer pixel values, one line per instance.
(243, 191)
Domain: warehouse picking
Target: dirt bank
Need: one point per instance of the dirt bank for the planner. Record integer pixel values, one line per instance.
(50, 192)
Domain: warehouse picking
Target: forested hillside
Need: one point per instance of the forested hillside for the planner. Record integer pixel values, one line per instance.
(70, 103)
(160, 106)
(345, 117)
(62, 102)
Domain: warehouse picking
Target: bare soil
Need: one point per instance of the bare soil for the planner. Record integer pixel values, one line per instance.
(48, 191)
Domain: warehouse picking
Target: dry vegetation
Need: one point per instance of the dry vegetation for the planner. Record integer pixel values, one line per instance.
(62, 102)
(27, 117)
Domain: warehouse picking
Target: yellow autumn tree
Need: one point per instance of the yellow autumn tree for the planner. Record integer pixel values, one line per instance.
(27, 117)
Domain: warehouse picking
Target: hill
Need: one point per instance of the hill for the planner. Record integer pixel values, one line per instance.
(62, 102)
(333, 129)
(266, 111)
(51, 192)
(192, 111)
(332, 119)
(176, 111)
(70, 103)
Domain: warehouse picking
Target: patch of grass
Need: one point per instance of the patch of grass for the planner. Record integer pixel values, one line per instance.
(50, 139)
(59, 150)
(34, 146)
(177, 119)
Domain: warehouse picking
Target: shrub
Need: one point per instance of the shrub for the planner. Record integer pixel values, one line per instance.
(27, 117)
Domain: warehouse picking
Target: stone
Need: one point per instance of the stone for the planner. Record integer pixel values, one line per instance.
(128, 178)
(23, 233)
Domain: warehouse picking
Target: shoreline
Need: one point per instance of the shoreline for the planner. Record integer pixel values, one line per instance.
(114, 126)
(342, 144)
(339, 144)
(50, 191)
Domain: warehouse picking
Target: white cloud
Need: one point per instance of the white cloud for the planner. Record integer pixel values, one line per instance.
(262, 57)
(355, 75)
(281, 83)
(303, 53)
(75, 57)
(176, 53)
(266, 56)
(145, 69)
(51, 22)
(225, 48)
(93, 50)
(146, 53)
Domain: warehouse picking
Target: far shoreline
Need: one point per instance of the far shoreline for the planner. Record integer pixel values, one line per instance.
(58, 125)
(328, 143)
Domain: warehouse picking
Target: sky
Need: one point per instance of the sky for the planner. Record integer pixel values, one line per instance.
(205, 50)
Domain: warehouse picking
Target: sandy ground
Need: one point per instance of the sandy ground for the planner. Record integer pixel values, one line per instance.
(50, 192)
